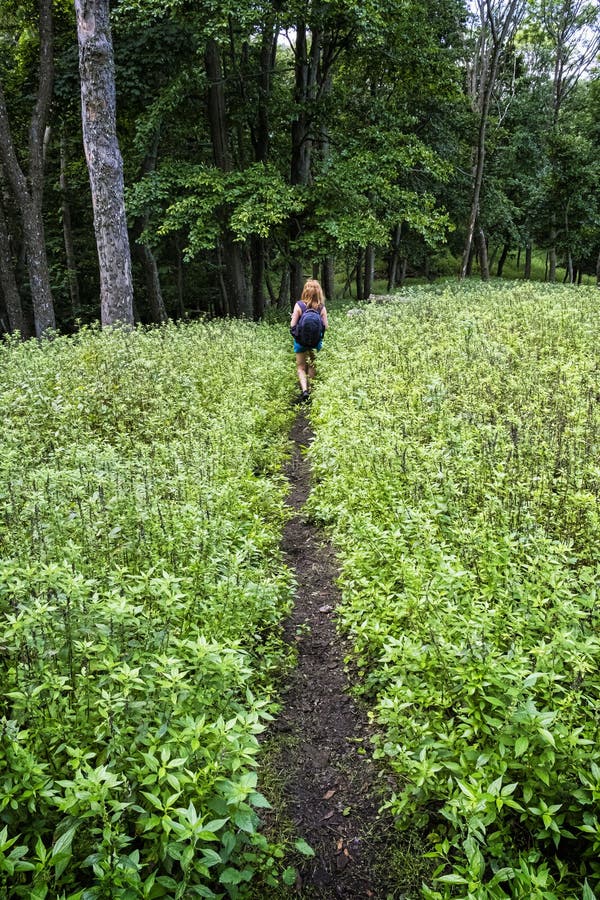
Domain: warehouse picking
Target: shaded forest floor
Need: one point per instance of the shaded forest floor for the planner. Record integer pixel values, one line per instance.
(319, 745)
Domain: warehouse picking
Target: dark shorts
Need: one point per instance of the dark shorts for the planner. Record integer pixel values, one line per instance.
(298, 348)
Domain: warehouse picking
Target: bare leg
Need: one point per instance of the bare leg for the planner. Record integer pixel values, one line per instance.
(310, 365)
(302, 370)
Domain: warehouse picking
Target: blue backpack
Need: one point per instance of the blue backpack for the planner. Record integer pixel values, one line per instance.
(309, 330)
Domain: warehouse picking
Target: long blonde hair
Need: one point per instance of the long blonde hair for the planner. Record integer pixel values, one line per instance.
(312, 294)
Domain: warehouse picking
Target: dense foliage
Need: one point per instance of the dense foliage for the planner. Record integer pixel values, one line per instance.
(141, 589)
(263, 139)
(456, 461)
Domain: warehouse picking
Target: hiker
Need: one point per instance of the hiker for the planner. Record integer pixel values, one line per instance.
(307, 325)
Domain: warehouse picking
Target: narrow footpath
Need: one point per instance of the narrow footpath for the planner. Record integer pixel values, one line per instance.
(331, 789)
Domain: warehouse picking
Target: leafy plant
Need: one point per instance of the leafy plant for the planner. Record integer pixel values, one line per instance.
(141, 591)
(455, 466)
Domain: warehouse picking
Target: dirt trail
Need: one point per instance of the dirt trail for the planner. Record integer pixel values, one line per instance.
(331, 789)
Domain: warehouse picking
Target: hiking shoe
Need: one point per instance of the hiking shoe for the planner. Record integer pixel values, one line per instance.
(304, 397)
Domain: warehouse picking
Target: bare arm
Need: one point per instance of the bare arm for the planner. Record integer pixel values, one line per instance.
(295, 316)
(324, 317)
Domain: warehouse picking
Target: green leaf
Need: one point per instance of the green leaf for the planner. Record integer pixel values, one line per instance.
(521, 745)
(588, 893)
(257, 800)
(231, 876)
(215, 824)
(245, 819)
(289, 875)
(452, 879)
(303, 847)
(547, 736)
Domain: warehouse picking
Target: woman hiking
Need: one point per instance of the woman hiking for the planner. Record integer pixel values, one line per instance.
(307, 325)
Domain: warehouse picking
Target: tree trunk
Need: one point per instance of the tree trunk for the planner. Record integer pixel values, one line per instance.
(569, 271)
(238, 300)
(470, 263)
(369, 271)
(296, 281)
(284, 289)
(28, 190)
(598, 270)
(359, 276)
(156, 303)
(8, 282)
(394, 258)
(68, 233)
(552, 257)
(484, 266)
(501, 31)
(306, 66)
(502, 260)
(147, 260)
(403, 270)
(104, 161)
(261, 141)
(180, 279)
(328, 277)
(37, 266)
(257, 251)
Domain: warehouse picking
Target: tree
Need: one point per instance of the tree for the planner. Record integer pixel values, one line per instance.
(8, 282)
(497, 22)
(236, 296)
(103, 156)
(571, 29)
(27, 185)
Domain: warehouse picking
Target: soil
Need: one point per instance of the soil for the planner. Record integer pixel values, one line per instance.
(331, 786)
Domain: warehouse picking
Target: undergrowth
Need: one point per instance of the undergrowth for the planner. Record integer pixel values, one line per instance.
(141, 591)
(456, 466)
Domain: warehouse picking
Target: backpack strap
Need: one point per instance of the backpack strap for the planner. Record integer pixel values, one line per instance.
(302, 306)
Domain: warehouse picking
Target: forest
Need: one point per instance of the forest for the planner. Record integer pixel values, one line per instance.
(203, 158)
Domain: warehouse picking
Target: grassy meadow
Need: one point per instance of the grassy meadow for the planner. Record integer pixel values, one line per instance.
(456, 467)
(141, 591)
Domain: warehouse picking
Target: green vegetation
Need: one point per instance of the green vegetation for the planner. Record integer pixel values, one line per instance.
(456, 459)
(265, 141)
(141, 590)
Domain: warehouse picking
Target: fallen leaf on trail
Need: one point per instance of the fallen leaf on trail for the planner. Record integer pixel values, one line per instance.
(325, 609)
(329, 814)
(340, 843)
(329, 794)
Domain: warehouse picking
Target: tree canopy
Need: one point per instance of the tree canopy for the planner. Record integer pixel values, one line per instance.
(262, 142)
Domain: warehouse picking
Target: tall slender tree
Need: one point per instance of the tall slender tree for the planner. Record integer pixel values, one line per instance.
(496, 24)
(27, 182)
(572, 28)
(8, 282)
(103, 156)
(237, 298)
